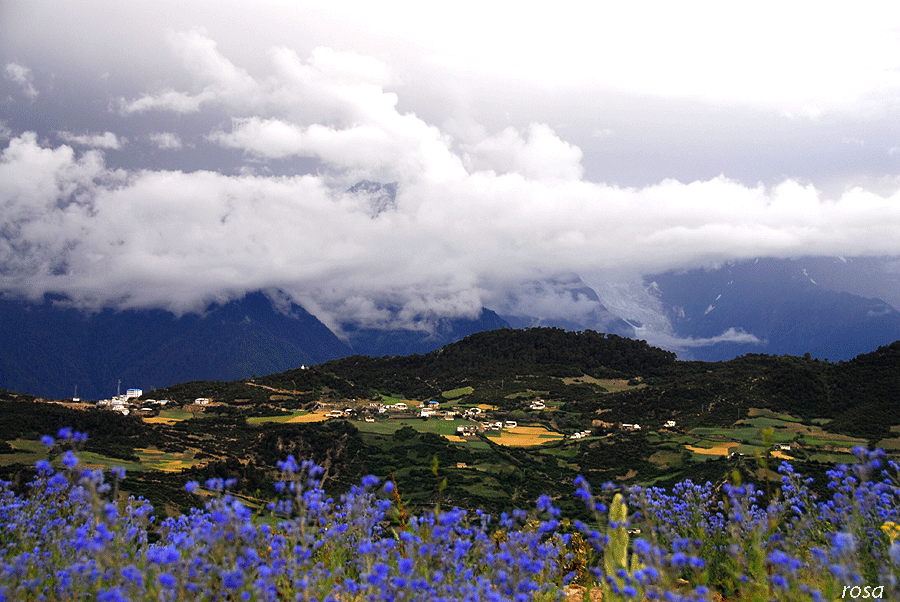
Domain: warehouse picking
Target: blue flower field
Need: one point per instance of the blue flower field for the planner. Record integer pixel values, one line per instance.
(70, 535)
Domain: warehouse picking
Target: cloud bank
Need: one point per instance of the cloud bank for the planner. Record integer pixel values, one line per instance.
(478, 211)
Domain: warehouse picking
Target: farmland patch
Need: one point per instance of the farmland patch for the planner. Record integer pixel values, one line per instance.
(456, 393)
(524, 436)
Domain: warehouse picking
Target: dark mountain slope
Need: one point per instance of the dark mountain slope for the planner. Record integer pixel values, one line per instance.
(504, 354)
(47, 350)
(779, 303)
(860, 397)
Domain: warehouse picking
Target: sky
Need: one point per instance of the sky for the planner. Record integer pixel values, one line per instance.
(173, 153)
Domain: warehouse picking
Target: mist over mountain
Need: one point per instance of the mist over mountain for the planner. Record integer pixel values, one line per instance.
(431, 334)
(766, 306)
(772, 306)
(563, 301)
(380, 197)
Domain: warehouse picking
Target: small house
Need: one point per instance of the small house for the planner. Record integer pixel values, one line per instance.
(467, 430)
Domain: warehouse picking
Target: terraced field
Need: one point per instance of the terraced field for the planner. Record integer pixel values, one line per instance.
(750, 436)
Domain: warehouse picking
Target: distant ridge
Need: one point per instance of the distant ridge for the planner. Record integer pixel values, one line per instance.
(778, 301)
(432, 334)
(47, 350)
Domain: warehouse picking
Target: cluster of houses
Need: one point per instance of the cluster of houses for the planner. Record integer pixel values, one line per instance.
(426, 409)
(471, 430)
(130, 402)
(580, 435)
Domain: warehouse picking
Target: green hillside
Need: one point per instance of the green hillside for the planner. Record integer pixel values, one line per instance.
(552, 405)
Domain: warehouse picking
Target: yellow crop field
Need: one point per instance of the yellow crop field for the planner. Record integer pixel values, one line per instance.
(311, 417)
(160, 420)
(524, 436)
(716, 450)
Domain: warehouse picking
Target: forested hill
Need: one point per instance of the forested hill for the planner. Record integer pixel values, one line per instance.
(506, 353)
(859, 397)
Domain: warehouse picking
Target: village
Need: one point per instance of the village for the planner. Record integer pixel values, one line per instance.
(463, 422)
(480, 420)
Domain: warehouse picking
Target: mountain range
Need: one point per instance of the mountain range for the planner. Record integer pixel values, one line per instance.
(774, 307)
(765, 306)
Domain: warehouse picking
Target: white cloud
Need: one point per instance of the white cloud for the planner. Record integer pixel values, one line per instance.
(483, 203)
(23, 77)
(542, 155)
(106, 140)
(174, 238)
(218, 78)
(667, 340)
(166, 140)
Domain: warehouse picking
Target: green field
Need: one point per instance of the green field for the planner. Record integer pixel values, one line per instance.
(153, 459)
(432, 425)
(731, 434)
(390, 400)
(764, 422)
(172, 415)
(833, 440)
(456, 393)
(833, 458)
(29, 452)
(764, 413)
